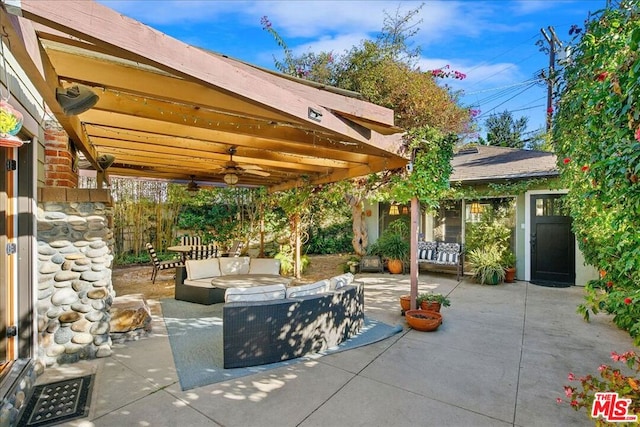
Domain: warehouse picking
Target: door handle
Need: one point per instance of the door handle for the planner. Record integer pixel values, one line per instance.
(533, 240)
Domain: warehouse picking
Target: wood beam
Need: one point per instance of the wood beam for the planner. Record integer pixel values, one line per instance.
(121, 35)
(27, 51)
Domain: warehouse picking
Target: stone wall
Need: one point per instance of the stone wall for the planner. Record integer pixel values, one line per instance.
(75, 291)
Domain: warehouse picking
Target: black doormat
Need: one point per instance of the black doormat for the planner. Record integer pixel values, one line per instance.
(551, 284)
(58, 402)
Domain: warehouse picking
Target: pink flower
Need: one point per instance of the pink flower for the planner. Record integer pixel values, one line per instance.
(615, 356)
(558, 400)
(602, 368)
(585, 168)
(566, 160)
(574, 403)
(568, 391)
(571, 376)
(637, 134)
(627, 301)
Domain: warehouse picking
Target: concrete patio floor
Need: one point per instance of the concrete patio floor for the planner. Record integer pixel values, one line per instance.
(500, 358)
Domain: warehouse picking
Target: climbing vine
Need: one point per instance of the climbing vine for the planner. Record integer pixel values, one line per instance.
(596, 132)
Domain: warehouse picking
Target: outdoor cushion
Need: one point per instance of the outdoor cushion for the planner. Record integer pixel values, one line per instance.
(264, 266)
(427, 250)
(310, 289)
(339, 281)
(447, 258)
(258, 293)
(202, 268)
(234, 265)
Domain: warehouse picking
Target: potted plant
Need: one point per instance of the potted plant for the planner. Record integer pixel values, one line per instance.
(509, 264)
(393, 245)
(422, 320)
(10, 125)
(487, 266)
(432, 302)
(353, 265)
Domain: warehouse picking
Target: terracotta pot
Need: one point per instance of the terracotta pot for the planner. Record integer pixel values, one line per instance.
(394, 266)
(510, 275)
(422, 320)
(405, 302)
(430, 306)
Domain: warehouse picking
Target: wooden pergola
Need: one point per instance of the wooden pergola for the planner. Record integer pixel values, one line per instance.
(171, 111)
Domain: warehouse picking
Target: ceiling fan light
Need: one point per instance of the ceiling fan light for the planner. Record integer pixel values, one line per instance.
(231, 179)
(193, 186)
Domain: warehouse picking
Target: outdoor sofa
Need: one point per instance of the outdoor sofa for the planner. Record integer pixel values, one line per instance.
(273, 323)
(205, 281)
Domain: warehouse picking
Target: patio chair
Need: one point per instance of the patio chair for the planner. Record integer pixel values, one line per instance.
(190, 240)
(203, 252)
(235, 250)
(160, 265)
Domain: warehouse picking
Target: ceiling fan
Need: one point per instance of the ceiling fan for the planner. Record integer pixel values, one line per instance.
(192, 185)
(232, 169)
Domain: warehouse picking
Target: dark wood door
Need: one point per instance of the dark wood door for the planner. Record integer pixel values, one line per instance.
(552, 242)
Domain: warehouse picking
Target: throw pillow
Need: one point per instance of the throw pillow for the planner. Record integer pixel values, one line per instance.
(310, 289)
(202, 268)
(234, 265)
(264, 266)
(340, 281)
(255, 293)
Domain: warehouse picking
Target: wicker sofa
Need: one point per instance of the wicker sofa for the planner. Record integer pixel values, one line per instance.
(282, 323)
(206, 281)
(442, 254)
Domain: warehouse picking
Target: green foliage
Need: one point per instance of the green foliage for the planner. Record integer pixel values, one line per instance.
(504, 131)
(431, 167)
(285, 256)
(394, 241)
(493, 229)
(624, 381)
(486, 262)
(429, 296)
(596, 132)
(384, 72)
(332, 239)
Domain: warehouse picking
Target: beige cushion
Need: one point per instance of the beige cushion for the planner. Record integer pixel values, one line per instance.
(310, 289)
(234, 265)
(264, 266)
(338, 282)
(257, 293)
(202, 268)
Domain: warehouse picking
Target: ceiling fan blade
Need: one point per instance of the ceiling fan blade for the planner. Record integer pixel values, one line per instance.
(254, 167)
(257, 172)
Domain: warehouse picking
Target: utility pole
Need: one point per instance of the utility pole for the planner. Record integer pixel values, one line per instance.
(551, 78)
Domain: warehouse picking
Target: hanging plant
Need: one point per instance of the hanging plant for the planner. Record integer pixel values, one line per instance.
(10, 125)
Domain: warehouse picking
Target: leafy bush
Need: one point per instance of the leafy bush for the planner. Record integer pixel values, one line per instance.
(625, 384)
(286, 261)
(333, 239)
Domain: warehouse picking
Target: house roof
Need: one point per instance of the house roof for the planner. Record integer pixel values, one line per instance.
(170, 111)
(485, 163)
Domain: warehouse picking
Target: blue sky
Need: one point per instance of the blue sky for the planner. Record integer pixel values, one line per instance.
(492, 42)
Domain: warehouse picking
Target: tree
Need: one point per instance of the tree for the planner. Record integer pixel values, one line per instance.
(504, 131)
(384, 72)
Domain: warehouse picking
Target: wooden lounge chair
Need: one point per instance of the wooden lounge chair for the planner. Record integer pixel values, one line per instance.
(160, 265)
(235, 250)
